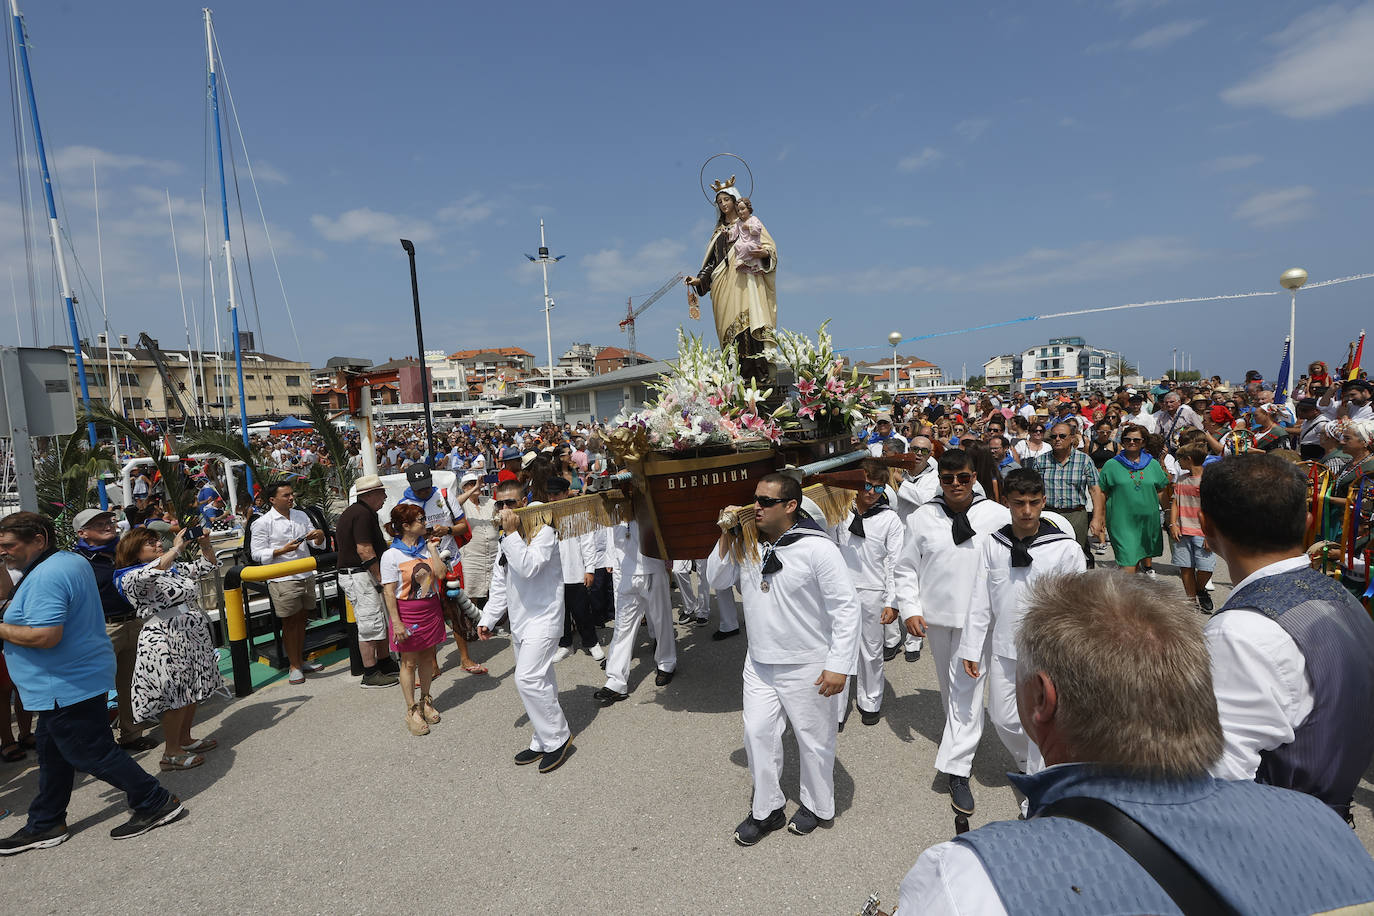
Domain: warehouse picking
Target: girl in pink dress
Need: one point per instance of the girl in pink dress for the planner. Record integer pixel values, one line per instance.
(412, 577)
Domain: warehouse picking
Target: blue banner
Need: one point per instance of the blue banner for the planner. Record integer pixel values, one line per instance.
(1281, 383)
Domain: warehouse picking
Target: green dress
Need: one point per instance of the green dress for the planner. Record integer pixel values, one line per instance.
(1133, 510)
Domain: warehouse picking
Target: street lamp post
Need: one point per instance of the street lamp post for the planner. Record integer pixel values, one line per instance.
(409, 247)
(1291, 280)
(894, 339)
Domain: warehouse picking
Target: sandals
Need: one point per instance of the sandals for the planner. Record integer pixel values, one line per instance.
(475, 668)
(12, 752)
(427, 709)
(204, 744)
(180, 762)
(415, 721)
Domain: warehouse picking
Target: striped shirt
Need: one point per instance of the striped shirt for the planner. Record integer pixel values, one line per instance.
(1188, 498)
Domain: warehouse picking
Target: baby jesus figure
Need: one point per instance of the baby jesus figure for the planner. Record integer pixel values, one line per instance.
(747, 236)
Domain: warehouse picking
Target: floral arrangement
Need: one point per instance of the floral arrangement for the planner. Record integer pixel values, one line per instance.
(833, 399)
(704, 402)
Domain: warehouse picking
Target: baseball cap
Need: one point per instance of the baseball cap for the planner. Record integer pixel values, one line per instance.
(86, 516)
(367, 483)
(417, 475)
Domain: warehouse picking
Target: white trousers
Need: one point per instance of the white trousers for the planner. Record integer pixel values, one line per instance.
(638, 598)
(696, 596)
(534, 681)
(895, 633)
(773, 696)
(963, 699)
(1001, 677)
(869, 682)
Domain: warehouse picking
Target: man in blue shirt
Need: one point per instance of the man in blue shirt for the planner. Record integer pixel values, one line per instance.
(61, 661)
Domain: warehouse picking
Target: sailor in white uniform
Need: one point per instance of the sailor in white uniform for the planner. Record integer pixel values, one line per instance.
(527, 584)
(1035, 544)
(696, 599)
(641, 592)
(935, 578)
(803, 622)
(870, 540)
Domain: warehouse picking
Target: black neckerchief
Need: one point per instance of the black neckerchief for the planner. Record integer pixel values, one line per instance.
(856, 524)
(963, 528)
(1020, 547)
(804, 526)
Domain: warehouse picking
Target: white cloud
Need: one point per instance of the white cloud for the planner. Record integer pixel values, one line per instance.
(79, 158)
(1271, 208)
(907, 222)
(928, 156)
(266, 171)
(972, 128)
(367, 225)
(1164, 35)
(1131, 7)
(1234, 163)
(613, 270)
(468, 211)
(1324, 66)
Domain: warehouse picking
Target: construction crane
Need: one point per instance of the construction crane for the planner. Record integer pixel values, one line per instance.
(168, 384)
(631, 313)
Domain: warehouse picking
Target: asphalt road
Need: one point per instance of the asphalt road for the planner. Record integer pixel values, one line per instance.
(319, 801)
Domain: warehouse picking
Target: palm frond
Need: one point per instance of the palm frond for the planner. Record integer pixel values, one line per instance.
(179, 497)
(334, 445)
(216, 442)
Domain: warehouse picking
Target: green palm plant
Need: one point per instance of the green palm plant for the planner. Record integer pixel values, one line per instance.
(180, 497)
(334, 446)
(65, 477)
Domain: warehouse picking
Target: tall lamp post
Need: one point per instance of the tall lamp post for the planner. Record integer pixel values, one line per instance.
(1291, 280)
(409, 247)
(544, 260)
(894, 339)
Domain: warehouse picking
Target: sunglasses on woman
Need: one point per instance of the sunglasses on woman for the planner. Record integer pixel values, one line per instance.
(1129, 439)
(964, 477)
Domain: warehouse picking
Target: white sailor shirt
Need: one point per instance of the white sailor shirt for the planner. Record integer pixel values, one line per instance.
(872, 559)
(935, 576)
(528, 586)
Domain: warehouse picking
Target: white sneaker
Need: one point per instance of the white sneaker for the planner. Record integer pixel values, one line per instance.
(312, 667)
(562, 653)
(1209, 586)
(598, 653)
(1150, 572)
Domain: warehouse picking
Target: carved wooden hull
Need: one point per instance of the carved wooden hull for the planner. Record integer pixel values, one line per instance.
(686, 496)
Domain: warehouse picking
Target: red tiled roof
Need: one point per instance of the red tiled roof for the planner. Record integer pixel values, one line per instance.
(617, 353)
(499, 351)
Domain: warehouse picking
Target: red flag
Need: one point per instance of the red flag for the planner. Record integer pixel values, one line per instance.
(1355, 363)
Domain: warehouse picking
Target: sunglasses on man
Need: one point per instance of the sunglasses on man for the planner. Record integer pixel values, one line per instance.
(506, 503)
(964, 477)
(875, 487)
(768, 501)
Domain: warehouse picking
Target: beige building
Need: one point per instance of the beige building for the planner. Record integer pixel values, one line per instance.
(127, 378)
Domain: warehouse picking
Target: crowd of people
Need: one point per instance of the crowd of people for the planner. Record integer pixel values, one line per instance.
(973, 536)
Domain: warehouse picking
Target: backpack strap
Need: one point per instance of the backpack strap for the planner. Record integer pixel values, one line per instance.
(1178, 879)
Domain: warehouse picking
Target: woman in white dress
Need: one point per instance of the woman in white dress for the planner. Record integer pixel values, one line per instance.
(177, 665)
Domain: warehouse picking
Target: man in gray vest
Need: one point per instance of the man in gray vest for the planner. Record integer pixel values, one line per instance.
(1114, 686)
(1292, 651)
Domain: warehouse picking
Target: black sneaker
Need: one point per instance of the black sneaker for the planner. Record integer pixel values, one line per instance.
(751, 830)
(869, 718)
(913, 655)
(24, 839)
(960, 795)
(143, 821)
(718, 635)
(527, 756)
(701, 621)
(606, 696)
(663, 678)
(805, 821)
(890, 652)
(379, 678)
(556, 757)
(1204, 601)
(684, 617)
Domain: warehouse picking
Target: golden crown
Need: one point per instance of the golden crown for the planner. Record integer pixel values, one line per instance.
(717, 186)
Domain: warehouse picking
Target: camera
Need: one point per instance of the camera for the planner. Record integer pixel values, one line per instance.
(194, 530)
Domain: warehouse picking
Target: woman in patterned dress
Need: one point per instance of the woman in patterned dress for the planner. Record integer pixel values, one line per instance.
(177, 665)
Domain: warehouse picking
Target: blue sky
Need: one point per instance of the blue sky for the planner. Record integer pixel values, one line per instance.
(922, 167)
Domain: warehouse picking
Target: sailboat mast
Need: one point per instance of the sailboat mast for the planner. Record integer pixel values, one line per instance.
(55, 232)
(228, 249)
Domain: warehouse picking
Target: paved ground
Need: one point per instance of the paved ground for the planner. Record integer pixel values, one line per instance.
(319, 801)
